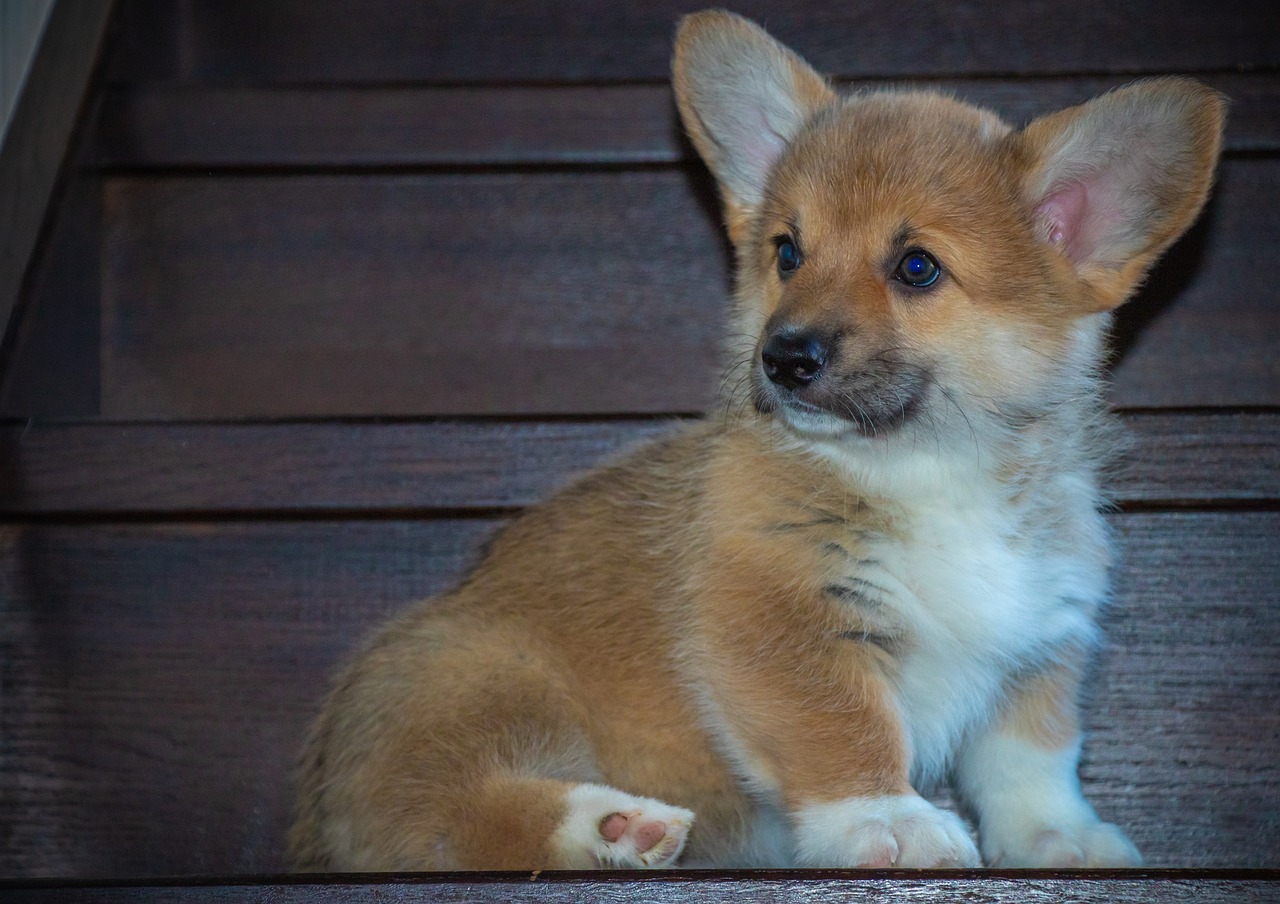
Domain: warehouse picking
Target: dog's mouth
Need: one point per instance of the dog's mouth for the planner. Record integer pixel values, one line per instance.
(875, 401)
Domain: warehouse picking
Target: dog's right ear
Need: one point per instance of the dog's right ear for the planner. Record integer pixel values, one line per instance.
(742, 98)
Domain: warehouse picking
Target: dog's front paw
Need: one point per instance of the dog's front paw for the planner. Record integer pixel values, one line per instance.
(1088, 844)
(881, 832)
(605, 827)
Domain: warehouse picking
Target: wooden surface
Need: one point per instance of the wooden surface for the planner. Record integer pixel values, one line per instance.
(292, 241)
(443, 295)
(292, 233)
(582, 40)
(450, 294)
(152, 125)
(162, 672)
(368, 468)
(817, 887)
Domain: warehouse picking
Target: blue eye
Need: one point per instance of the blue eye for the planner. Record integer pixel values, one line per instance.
(918, 269)
(788, 255)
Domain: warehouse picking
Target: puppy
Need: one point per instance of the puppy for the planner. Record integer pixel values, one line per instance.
(750, 643)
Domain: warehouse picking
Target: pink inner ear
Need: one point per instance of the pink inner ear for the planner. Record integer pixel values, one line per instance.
(1090, 220)
(1064, 213)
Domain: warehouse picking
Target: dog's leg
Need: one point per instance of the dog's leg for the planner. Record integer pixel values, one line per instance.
(842, 768)
(482, 761)
(808, 712)
(1020, 777)
(847, 785)
(605, 827)
(902, 830)
(512, 822)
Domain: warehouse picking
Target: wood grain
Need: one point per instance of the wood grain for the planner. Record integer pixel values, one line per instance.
(163, 125)
(390, 41)
(152, 125)
(1197, 333)
(320, 468)
(599, 292)
(1203, 457)
(509, 293)
(487, 208)
(379, 468)
(816, 886)
(158, 678)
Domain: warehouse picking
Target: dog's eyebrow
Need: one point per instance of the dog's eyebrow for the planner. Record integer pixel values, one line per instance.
(905, 236)
(790, 233)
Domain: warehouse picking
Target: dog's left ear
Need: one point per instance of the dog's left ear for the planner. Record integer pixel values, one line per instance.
(1113, 182)
(743, 97)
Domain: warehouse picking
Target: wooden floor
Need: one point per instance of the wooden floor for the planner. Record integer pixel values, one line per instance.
(813, 887)
(322, 299)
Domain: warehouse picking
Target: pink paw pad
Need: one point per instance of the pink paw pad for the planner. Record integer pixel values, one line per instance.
(605, 827)
(644, 834)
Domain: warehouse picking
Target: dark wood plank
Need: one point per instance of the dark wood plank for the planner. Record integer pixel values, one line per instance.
(39, 135)
(1190, 458)
(158, 678)
(816, 886)
(307, 467)
(393, 41)
(510, 293)
(536, 293)
(1197, 333)
(150, 125)
(1182, 458)
(1173, 754)
(162, 125)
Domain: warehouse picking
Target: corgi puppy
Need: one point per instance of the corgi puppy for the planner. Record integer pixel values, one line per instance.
(756, 641)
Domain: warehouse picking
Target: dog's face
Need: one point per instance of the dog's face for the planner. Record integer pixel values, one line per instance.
(892, 272)
(908, 262)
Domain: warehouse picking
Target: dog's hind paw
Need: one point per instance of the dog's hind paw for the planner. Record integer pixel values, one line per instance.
(607, 828)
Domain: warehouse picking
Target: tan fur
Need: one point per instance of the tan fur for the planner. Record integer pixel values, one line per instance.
(690, 624)
(1045, 709)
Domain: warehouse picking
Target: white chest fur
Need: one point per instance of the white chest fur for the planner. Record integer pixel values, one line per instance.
(982, 588)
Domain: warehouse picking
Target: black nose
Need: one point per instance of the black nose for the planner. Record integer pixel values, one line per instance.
(793, 360)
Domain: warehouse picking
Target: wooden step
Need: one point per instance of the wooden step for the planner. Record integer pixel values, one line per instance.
(320, 295)
(815, 887)
(355, 468)
(177, 596)
(160, 676)
(162, 125)
(281, 241)
(394, 42)
(241, 324)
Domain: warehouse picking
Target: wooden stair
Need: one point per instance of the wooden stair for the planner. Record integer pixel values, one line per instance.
(323, 297)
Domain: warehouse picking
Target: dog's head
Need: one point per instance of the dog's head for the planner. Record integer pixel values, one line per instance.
(907, 261)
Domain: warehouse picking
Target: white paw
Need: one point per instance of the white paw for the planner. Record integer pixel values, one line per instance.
(882, 832)
(1030, 810)
(1089, 845)
(605, 827)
